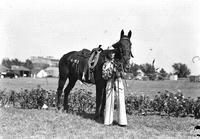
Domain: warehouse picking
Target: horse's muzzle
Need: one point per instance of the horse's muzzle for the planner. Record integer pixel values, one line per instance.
(127, 66)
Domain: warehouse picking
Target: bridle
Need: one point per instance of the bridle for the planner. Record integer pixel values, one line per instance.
(120, 53)
(123, 50)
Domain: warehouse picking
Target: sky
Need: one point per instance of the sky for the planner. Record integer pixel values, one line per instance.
(165, 30)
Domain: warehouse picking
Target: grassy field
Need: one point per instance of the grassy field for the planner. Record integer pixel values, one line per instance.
(21, 123)
(131, 86)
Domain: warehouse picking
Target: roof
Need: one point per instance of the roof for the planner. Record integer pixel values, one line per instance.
(51, 68)
(19, 68)
(3, 68)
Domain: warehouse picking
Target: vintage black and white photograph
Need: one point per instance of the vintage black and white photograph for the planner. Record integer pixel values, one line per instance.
(100, 69)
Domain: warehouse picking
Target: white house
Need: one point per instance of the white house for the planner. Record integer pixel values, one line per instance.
(173, 77)
(42, 74)
(140, 74)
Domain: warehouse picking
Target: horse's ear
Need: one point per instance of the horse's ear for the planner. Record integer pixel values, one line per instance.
(129, 34)
(122, 33)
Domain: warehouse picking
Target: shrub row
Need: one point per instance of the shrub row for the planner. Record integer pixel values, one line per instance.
(164, 103)
(81, 100)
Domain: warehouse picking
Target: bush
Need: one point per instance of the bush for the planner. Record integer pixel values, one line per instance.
(81, 100)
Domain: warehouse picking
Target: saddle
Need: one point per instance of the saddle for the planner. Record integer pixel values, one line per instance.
(92, 58)
(92, 62)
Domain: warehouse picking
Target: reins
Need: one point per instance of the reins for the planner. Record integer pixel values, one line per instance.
(121, 64)
(123, 72)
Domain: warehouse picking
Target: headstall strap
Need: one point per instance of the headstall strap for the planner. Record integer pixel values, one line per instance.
(125, 38)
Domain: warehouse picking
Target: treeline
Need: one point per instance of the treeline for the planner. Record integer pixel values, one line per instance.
(28, 63)
(150, 71)
(9, 62)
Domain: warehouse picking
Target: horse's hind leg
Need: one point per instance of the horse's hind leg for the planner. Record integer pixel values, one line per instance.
(67, 90)
(61, 83)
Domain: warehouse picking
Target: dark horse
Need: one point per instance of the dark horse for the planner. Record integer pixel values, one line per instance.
(71, 67)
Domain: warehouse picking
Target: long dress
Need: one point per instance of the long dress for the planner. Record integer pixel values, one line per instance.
(114, 87)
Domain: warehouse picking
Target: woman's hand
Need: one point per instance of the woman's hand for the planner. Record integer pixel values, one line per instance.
(118, 74)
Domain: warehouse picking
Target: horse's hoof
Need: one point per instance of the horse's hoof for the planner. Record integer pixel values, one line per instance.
(98, 119)
(58, 111)
(65, 111)
(101, 116)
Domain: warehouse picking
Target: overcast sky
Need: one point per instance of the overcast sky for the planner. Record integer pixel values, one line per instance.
(167, 30)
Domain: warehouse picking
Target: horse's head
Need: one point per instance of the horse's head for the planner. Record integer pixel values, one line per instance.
(123, 49)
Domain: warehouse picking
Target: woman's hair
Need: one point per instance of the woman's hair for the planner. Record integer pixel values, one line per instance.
(111, 55)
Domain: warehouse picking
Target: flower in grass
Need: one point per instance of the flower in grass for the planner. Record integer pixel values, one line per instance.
(44, 106)
(179, 91)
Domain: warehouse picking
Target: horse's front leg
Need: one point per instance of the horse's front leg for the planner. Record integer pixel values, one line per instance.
(100, 99)
(58, 101)
(103, 103)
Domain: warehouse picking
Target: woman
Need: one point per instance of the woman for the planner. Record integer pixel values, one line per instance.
(114, 87)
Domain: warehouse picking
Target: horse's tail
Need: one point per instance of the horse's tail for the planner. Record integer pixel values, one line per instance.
(63, 72)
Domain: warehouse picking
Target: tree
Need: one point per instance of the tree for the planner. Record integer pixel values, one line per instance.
(162, 74)
(133, 69)
(16, 62)
(149, 70)
(6, 62)
(181, 70)
(28, 64)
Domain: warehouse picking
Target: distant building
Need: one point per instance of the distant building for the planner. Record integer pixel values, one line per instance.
(48, 72)
(194, 78)
(42, 74)
(140, 75)
(21, 71)
(3, 68)
(45, 60)
(173, 77)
